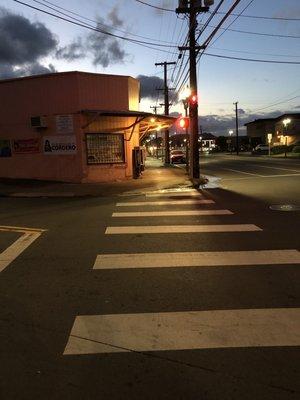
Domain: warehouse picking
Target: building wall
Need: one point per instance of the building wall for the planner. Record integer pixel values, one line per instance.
(292, 132)
(109, 172)
(62, 94)
(260, 129)
(103, 92)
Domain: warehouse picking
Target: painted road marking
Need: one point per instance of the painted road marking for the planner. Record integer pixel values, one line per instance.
(174, 194)
(171, 213)
(267, 166)
(242, 172)
(94, 334)
(164, 203)
(197, 259)
(21, 244)
(121, 230)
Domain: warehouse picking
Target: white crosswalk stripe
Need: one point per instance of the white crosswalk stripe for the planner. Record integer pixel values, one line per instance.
(174, 194)
(129, 230)
(164, 203)
(188, 330)
(94, 334)
(170, 213)
(197, 259)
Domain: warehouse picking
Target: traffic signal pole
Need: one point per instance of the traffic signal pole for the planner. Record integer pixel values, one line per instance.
(194, 144)
(192, 11)
(166, 104)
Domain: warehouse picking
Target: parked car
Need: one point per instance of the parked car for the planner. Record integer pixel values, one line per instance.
(177, 156)
(261, 149)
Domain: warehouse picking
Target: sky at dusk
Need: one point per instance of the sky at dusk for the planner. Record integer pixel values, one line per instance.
(33, 42)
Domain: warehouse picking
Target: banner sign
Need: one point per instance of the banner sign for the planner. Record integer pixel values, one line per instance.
(5, 149)
(64, 124)
(25, 146)
(59, 145)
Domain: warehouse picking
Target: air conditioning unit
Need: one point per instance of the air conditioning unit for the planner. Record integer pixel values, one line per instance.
(38, 122)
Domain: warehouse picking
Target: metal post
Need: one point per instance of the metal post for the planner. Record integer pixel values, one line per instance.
(237, 127)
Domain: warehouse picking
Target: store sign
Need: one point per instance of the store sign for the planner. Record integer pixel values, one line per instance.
(64, 124)
(5, 149)
(25, 146)
(59, 145)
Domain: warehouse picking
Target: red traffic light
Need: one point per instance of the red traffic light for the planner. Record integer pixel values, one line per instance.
(183, 122)
(194, 99)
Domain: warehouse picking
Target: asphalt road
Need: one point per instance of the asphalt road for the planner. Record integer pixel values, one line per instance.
(98, 306)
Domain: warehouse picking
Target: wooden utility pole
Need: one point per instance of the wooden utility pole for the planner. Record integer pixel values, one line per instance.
(155, 109)
(192, 8)
(237, 127)
(166, 105)
(156, 138)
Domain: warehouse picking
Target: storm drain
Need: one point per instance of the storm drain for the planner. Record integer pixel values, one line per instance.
(285, 207)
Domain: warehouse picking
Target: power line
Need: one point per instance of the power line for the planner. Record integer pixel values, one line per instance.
(251, 52)
(252, 59)
(151, 5)
(93, 20)
(265, 17)
(135, 41)
(236, 18)
(275, 104)
(258, 33)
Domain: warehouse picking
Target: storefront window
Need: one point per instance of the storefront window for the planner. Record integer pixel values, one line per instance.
(105, 148)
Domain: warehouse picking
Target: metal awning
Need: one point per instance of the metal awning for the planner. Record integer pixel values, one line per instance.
(147, 122)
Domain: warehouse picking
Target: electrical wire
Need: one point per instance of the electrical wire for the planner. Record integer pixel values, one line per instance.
(236, 18)
(135, 41)
(276, 104)
(252, 59)
(151, 5)
(265, 17)
(93, 20)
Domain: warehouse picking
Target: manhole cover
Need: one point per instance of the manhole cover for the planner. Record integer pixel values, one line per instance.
(285, 207)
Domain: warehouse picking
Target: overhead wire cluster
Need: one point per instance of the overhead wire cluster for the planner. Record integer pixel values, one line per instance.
(179, 75)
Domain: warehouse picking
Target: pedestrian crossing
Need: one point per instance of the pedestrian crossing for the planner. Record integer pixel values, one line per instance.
(196, 259)
(186, 330)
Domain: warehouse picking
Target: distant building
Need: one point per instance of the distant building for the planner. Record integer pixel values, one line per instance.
(72, 127)
(208, 140)
(258, 130)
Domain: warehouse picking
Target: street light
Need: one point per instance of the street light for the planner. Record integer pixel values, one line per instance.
(185, 96)
(230, 134)
(285, 122)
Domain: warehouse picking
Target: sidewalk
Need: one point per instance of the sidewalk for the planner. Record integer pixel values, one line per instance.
(156, 176)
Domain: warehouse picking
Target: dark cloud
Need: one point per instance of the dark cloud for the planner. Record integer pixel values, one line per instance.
(221, 124)
(114, 17)
(106, 50)
(23, 41)
(72, 51)
(149, 84)
(22, 45)
(9, 71)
